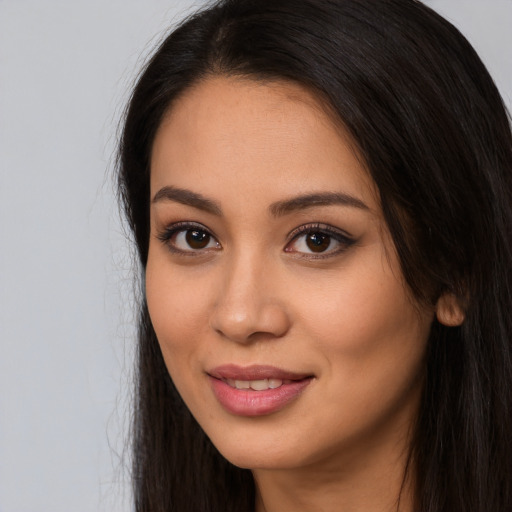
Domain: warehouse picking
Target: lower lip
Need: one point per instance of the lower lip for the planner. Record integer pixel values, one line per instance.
(247, 402)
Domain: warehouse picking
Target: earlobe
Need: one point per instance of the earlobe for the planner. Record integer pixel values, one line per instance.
(449, 311)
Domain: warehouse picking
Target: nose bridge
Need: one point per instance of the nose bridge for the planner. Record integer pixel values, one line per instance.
(248, 301)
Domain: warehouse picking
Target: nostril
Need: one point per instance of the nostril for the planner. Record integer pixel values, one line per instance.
(265, 322)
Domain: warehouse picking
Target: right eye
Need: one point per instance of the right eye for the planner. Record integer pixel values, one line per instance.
(188, 238)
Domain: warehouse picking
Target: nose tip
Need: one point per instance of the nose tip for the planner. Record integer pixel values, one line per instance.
(249, 320)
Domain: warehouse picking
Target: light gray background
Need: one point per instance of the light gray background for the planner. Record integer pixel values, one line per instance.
(66, 327)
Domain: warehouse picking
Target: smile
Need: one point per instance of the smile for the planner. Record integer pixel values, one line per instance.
(257, 385)
(256, 390)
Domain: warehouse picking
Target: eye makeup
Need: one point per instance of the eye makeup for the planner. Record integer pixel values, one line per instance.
(309, 241)
(318, 241)
(188, 239)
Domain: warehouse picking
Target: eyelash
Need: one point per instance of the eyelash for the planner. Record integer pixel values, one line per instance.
(344, 240)
(171, 231)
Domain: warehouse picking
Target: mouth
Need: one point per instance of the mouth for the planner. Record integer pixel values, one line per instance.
(257, 385)
(256, 390)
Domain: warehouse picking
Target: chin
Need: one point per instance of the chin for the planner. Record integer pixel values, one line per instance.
(261, 460)
(262, 452)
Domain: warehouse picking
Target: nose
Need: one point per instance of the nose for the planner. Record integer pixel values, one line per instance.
(249, 303)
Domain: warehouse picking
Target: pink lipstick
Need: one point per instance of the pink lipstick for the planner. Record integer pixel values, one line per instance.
(256, 390)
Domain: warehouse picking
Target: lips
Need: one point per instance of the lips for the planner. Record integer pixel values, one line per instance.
(256, 390)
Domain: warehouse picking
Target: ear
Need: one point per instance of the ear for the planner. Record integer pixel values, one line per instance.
(449, 311)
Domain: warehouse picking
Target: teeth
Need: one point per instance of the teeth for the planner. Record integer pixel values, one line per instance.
(256, 385)
(259, 385)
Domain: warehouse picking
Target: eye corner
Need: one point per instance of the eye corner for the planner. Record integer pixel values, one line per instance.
(338, 241)
(186, 238)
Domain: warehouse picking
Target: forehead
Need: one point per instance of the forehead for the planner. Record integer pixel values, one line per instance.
(276, 138)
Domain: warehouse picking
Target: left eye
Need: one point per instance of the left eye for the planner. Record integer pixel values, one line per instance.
(188, 239)
(318, 242)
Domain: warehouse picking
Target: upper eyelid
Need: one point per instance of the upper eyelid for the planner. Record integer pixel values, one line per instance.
(176, 227)
(184, 225)
(318, 227)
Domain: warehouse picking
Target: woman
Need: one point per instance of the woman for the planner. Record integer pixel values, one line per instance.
(320, 196)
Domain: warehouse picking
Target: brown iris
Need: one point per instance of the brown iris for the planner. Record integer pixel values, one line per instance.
(197, 239)
(318, 242)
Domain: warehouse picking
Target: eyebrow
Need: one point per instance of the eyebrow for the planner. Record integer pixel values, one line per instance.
(188, 198)
(311, 200)
(277, 209)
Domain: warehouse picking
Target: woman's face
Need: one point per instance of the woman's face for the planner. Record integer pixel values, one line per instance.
(272, 282)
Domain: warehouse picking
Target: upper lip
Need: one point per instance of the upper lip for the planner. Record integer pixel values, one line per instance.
(254, 372)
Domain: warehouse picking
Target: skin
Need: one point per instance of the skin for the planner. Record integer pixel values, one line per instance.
(257, 294)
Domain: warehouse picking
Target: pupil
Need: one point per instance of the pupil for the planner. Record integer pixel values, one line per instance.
(197, 239)
(318, 242)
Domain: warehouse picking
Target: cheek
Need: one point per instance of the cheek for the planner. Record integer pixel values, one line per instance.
(369, 332)
(372, 344)
(178, 312)
(177, 307)
(356, 311)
